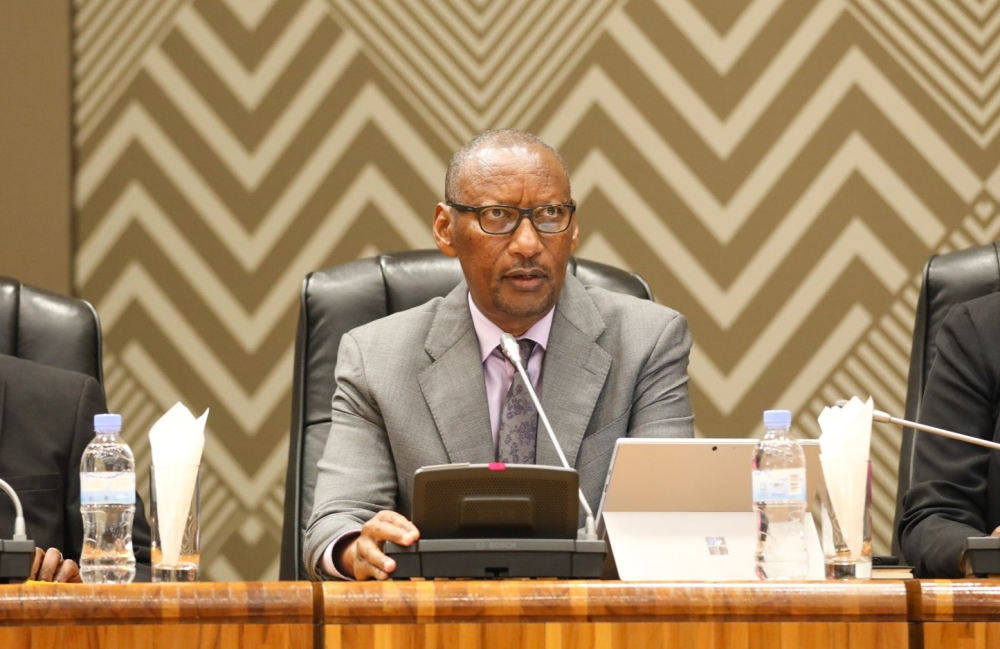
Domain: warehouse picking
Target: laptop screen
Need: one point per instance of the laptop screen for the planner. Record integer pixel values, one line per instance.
(689, 475)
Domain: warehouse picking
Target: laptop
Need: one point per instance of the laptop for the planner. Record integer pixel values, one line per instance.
(682, 509)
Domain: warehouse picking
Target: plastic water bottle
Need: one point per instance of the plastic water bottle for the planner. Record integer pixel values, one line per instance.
(779, 495)
(107, 502)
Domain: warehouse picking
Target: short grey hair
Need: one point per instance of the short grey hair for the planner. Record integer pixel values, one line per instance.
(500, 138)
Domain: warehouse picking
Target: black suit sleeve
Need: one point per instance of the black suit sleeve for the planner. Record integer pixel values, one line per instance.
(948, 502)
(91, 403)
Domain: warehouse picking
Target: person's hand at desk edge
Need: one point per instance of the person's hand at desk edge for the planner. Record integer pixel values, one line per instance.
(50, 565)
(362, 557)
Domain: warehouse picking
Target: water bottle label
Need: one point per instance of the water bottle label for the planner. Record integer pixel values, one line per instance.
(779, 484)
(107, 488)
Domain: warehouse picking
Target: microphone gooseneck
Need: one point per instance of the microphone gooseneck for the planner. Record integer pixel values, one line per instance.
(510, 348)
(512, 351)
(886, 418)
(19, 531)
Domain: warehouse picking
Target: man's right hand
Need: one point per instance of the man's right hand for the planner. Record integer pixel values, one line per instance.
(363, 557)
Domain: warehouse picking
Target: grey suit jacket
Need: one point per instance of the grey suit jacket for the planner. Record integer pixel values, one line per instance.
(410, 393)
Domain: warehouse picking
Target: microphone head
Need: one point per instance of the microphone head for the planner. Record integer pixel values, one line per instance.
(510, 348)
(877, 415)
(881, 417)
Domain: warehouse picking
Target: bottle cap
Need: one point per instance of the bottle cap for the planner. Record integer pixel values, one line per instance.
(777, 418)
(107, 423)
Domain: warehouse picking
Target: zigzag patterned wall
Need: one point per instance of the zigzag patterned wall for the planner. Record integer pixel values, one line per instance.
(778, 171)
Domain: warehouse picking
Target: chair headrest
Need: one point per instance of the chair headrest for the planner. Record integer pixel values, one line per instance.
(49, 328)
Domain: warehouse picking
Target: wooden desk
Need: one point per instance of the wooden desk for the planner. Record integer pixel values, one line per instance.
(167, 616)
(549, 614)
(615, 614)
(960, 613)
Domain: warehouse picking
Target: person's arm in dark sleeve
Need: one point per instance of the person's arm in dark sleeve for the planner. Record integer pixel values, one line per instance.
(141, 540)
(947, 502)
(91, 402)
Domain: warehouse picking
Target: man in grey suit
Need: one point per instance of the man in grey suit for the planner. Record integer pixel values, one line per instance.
(428, 386)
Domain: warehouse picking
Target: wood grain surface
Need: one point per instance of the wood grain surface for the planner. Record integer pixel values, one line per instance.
(219, 603)
(168, 636)
(559, 601)
(958, 600)
(623, 635)
(556, 615)
(159, 616)
(964, 614)
(476, 614)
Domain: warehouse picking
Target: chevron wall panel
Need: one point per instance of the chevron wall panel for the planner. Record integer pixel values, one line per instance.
(778, 171)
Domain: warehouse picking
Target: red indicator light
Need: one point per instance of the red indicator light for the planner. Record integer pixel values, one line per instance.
(497, 466)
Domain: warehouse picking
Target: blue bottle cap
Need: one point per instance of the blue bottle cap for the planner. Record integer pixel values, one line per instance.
(777, 418)
(107, 423)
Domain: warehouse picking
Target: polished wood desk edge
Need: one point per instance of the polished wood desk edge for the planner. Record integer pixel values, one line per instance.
(499, 602)
(960, 600)
(224, 602)
(543, 601)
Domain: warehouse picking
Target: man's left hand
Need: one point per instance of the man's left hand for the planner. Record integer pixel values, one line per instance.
(50, 566)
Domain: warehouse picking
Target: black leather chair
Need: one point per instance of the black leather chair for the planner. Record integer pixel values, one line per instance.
(339, 299)
(50, 329)
(949, 279)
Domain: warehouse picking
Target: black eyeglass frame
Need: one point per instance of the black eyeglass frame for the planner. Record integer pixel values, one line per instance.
(521, 213)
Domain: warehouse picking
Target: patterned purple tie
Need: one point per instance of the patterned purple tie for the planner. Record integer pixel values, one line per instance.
(518, 418)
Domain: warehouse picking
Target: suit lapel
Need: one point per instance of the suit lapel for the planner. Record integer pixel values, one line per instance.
(573, 373)
(453, 384)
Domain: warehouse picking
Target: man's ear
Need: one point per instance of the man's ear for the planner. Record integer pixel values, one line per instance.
(442, 229)
(576, 237)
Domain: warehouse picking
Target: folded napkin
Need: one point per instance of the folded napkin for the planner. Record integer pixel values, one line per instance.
(845, 445)
(176, 441)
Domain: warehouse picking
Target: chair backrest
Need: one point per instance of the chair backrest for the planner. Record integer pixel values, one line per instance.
(50, 329)
(948, 280)
(338, 299)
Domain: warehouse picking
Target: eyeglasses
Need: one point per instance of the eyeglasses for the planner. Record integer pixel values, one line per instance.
(504, 219)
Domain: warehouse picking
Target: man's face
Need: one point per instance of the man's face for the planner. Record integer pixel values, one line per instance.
(515, 278)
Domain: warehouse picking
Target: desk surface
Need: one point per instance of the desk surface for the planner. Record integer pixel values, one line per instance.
(219, 603)
(505, 613)
(547, 601)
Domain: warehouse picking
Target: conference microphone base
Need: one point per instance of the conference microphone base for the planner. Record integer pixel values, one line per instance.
(16, 558)
(498, 559)
(981, 556)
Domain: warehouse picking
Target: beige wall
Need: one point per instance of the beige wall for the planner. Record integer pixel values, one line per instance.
(35, 146)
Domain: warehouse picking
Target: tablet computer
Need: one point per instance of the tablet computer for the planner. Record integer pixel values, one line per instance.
(682, 509)
(689, 475)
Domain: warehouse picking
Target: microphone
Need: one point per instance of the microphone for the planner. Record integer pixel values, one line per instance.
(886, 418)
(18, 554)
(512, 351)
(19, 533)
(979, 554)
